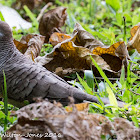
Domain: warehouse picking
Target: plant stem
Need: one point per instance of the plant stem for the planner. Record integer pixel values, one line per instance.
(124, 35)
(5, 102)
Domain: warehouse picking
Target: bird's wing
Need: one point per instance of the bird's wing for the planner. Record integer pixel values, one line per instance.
(26, 80)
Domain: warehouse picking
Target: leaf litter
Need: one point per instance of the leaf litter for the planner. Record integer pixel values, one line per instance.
(46, 118)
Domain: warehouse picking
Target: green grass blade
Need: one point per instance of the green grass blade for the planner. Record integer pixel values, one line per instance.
(100, 101)
(128, 81)
(115, 4)
(59, 2)
(112, 98)
(103, 74)
(5, 101)
(1, 16)
(135, 121)
(31, 15)
(122, 77)
(84, 84)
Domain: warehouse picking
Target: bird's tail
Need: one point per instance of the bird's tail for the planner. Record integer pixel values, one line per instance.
(82, 96)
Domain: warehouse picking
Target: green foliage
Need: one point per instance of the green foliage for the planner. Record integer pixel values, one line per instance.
(7, 2)
(10, 120)
(85, 85)
(103, 19)
(115, 4)
(5, 119)
(31, 15)
(1, 17)
(47, 48)
(124, 89)
(103, 75)
(5, 101)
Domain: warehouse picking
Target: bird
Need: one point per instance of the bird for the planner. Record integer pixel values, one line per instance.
(27, 80)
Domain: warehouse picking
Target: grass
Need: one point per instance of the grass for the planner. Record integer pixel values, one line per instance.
(5, 119)
(31, 16)
(5, 102)
(125, 86)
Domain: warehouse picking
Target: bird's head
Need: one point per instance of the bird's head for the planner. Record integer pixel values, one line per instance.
(5, 31)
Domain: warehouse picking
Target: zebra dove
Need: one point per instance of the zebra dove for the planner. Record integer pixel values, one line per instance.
(27, 80)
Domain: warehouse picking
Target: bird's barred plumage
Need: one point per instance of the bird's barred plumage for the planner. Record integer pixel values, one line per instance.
(27, 80)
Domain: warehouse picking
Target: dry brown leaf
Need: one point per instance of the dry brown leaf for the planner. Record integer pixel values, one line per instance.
(58, 38)
(30, 45)
(125, 130)
(85, 39)
(117, 52)
(34, 46)
(31, 4)
(67, 72)
(44, 117)
(113, 55)
(107, 50)
(79, 107)
(134, 30)
(52, 118)
(20, 46)
(121, 51)
(134, 42)
(67, 55)
(118, 49)
(52, 21)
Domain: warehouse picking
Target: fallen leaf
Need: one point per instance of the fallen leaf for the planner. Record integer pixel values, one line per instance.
(85, 39)
(134, 42)
(107, 50)
(31, 4)
(20, 46)
(125, 129)
(116, 52)
(58, 38)
(113, 55)
(34, 46)
(134, 30)
(79, 107)
(52, 21)
(67, 55)
(30, 45)
(121, 51)
(118, 49)
(64, 73)
(82, 38)
(44, 118)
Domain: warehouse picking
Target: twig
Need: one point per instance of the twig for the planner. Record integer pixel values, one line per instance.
(134, 92)
(124, 37)
(112, 79)
(43, 10)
